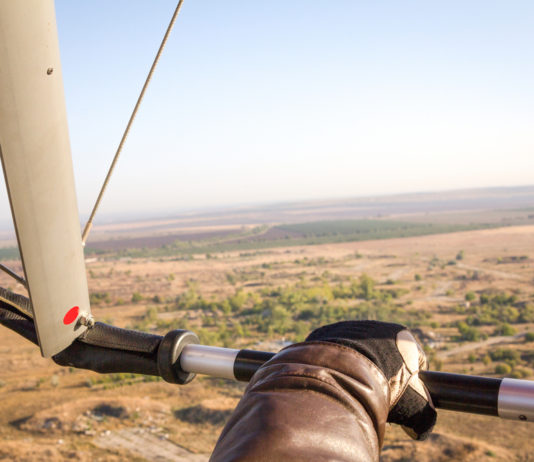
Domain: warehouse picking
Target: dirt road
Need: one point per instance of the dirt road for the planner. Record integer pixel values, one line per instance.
(475, 345)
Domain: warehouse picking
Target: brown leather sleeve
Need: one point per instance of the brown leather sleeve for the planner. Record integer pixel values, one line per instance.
(313, 401)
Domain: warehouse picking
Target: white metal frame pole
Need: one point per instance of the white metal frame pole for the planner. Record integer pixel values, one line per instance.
(35, 153)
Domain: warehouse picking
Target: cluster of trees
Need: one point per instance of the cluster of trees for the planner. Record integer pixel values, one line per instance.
(510, 363)
(470, 333)
(497, 309)
(291, 311)
(97, 298)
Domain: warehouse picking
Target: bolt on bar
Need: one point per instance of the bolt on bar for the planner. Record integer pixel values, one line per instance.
(505, 398)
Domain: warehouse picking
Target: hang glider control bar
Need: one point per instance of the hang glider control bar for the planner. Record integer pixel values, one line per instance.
(506, 398)
(178, 356)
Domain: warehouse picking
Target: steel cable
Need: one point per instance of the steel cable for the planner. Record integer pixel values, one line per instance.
(89, 224)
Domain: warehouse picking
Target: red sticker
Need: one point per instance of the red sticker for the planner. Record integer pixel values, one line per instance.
(71, 315)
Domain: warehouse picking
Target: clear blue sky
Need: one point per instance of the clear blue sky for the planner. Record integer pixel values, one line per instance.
(288, 99)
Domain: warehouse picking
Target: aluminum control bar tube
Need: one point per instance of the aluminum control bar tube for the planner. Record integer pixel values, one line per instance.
(506, 398)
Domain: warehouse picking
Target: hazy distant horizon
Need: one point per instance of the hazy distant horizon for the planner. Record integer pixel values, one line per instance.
(116, 218)
(256, 103)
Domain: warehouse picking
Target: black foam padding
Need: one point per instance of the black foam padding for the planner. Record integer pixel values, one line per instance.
(108, 336)
(17, 322)
(82, 355)
(21, 303)
(106, 360)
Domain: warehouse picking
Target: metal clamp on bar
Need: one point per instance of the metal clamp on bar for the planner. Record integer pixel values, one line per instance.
(169, 352)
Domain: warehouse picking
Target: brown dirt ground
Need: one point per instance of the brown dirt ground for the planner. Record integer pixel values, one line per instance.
(47, 412)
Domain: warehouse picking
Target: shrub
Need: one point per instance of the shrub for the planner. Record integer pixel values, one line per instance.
(468, 333)
(470, 296)
(417, 277)
(520, 373)
(151, 314)
(500, 308)
(529, 337)
(96, 298)
(231, 278)
(503, 369)
(367, 285)
(505, 354)
(136, 297)
(504, 329)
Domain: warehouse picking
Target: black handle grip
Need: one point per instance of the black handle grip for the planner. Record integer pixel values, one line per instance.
(465, 393)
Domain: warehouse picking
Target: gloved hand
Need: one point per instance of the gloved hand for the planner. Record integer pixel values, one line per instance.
(394, 350)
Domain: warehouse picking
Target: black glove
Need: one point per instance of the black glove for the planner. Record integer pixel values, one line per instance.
(394, 350)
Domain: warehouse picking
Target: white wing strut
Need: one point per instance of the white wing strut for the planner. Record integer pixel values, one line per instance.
(35, 153)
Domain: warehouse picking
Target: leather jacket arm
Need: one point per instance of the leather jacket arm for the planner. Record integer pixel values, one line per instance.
(314, 401)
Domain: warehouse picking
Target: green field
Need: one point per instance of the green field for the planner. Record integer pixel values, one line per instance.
(313, 233)
(320, 232)
(358, 230)
(9, 253)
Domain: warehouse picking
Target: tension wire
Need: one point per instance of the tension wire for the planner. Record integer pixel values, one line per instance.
(14, 275)
(89, 224)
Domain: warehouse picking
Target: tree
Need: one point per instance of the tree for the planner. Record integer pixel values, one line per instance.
(367, 287)
(504, 329)
(470, 296)
(503, 369)
(136, 297)
(468, 333)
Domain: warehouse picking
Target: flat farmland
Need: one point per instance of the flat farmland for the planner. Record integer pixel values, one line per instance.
(162, 240)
